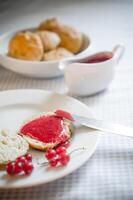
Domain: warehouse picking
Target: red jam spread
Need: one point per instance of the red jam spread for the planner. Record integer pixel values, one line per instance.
(98, 57)
(46, 129)
(64, 114)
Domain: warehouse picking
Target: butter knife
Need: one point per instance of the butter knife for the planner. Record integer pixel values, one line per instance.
(104, 126)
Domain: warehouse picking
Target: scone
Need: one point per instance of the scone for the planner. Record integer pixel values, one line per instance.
(46, 131)
(26, 46)
(11, 147)
(49, 39)
(49, 24)
(57, 54)
(71, 39)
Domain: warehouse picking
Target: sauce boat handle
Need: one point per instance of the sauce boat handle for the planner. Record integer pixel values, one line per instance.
(118, 51)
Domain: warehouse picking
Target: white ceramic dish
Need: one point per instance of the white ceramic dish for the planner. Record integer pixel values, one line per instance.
(17, 105)
(37, 69)
(85, 79)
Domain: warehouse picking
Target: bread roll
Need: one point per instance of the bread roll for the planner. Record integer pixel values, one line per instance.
(49, 24)
(57, 54)
(49, 39)
(26, 46)
(71, 39)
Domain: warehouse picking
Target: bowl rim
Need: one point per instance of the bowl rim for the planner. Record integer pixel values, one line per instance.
(6, 34)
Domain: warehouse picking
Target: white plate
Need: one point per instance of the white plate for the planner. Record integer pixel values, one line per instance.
(17, 105)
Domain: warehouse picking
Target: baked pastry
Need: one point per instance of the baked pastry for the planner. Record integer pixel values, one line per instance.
(26, 46)
(11, 146)
(46, 131)
(71, 39)
(49, 24)
(57, 54)
(49, 39)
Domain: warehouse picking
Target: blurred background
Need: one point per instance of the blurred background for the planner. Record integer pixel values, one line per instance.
(103, 20)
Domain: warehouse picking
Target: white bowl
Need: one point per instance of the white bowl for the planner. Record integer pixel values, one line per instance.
(38, 69)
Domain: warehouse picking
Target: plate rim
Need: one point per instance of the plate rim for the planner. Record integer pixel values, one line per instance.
(69, 172)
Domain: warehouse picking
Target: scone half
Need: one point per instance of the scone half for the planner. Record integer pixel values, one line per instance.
(11, 146)
(39, 133)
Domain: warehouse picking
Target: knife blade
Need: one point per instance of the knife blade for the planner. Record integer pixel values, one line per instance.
(104, 126)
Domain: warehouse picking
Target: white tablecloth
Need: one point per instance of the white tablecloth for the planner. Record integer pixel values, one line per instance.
(109, 173)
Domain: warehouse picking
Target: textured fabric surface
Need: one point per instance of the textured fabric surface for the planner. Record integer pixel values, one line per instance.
(108, 174)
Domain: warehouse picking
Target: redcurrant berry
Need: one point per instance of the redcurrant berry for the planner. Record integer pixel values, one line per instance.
(27, 168)
(18, 167)
(64, 159)
(50, 154)
(10, 168)
(21, 159)
(53, 162)
(61, 150)
(28, 157)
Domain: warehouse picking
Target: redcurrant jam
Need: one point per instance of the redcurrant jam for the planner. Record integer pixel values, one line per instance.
(98, 57)
(46, 129)
(64, 114)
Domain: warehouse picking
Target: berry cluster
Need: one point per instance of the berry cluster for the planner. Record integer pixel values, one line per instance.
(57, 156)
(22, 163)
